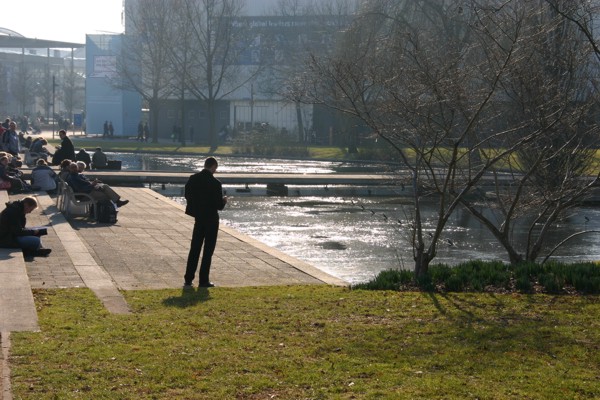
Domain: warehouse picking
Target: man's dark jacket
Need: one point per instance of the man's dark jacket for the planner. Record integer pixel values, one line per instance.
(204, 195)
(79, 183)
(12, 224)
(66, 152)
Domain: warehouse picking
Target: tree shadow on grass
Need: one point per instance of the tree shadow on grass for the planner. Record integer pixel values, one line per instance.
(189, 297)
(498, 324)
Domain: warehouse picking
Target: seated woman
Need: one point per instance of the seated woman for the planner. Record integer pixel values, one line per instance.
(11, 174)
(14, 234)
(43, 177)
(64, 172)
(37, 148)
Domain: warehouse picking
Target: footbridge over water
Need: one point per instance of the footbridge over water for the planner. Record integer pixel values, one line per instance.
(136, 178)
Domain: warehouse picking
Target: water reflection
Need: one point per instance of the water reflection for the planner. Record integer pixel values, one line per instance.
(340, 237)
(152, 162)
(346, 231)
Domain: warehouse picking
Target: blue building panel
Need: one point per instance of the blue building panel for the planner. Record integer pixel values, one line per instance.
(104, 100)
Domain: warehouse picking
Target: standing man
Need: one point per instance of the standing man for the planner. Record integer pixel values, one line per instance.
(10, 139)
(146, 131)
(204, 195)
(140, 136)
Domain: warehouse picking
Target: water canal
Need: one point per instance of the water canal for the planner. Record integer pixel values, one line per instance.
(345, 231)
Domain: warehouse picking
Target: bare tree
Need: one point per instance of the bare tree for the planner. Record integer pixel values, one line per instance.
(3, 86)
(73, 87)
(214, 71)
(43, 90)
(551, 87)
(145, 66)
(181, 56)
(433, 79)
(23, 87)
(324, 20)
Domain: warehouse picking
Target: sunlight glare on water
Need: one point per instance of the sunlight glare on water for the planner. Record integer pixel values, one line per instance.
(353, 235)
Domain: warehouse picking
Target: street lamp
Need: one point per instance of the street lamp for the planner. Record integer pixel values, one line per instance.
(251, 107)
(54, 85)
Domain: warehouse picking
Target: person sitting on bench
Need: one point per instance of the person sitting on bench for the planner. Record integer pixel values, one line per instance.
(99, 159)
(97, 190)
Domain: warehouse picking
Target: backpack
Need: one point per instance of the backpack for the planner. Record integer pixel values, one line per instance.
(107, 213)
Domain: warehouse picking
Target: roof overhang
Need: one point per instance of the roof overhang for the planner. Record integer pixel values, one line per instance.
(7, 42)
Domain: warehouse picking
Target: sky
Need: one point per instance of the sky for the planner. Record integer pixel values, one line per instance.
(64, 20)
(71, 20)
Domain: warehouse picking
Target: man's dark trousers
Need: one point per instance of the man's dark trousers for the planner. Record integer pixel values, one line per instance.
(205, 232)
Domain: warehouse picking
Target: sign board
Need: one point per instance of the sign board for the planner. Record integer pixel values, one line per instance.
(78, 120)
(104, 67)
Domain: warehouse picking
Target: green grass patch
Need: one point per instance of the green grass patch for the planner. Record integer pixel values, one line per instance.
(309, 342)
(495, 276)
(129, 146)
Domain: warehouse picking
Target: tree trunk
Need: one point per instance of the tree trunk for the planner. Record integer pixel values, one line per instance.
(154, 119)
(300, 123)
(422, 260)
(212, 131)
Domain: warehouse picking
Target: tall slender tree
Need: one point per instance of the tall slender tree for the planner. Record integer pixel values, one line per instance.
(213, 71)
(145, 65)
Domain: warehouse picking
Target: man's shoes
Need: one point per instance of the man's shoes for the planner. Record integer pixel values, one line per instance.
(121, 203)
(42, 252)
(207, 284)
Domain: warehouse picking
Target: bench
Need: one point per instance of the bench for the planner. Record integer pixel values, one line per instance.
(75, 204)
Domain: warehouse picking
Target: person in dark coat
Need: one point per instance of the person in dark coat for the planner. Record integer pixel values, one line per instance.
(99, 159)
(97, 190)
(204, 195)
(84, 156)
(14, 234)
(66, 151)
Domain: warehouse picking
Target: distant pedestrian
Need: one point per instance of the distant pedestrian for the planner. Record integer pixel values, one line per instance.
(204, 195)
(146, 131)
(140, 132)
(105, 129)
(10, 139)
(111, 129)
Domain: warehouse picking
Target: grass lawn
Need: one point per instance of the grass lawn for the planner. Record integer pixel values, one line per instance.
(130, 145)
(309, 342)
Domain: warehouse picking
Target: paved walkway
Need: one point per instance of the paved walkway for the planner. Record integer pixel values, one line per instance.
(147, 249)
